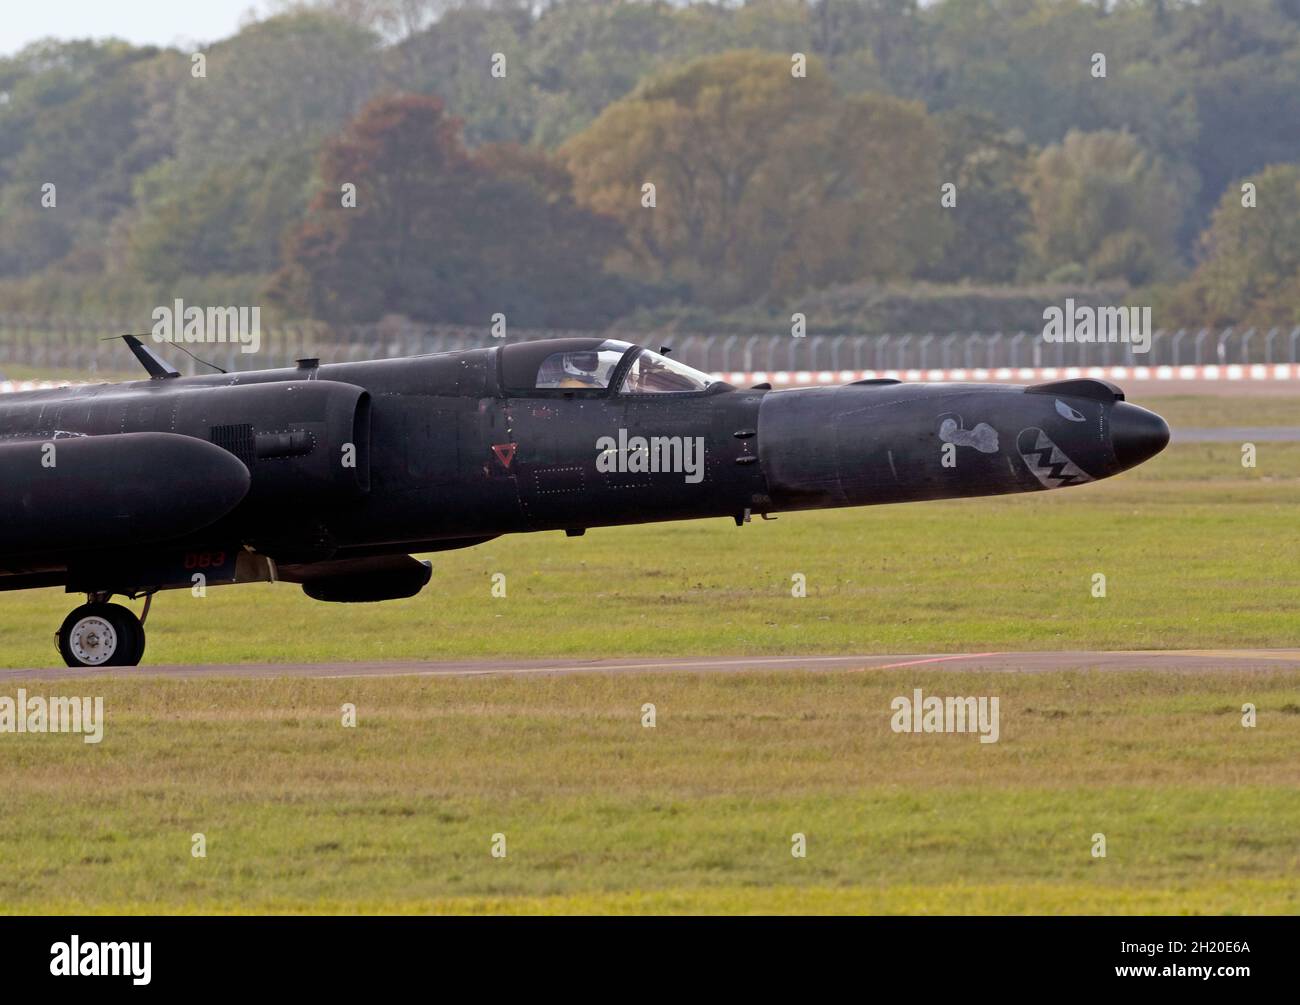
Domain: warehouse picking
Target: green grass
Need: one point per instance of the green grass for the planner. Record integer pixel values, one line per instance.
(1217, 411)
(1198, 553)
(695, 815)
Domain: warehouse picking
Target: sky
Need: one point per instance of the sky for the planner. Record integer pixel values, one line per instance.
(143, 22)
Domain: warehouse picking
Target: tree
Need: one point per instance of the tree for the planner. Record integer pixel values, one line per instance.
(289, 80)
(394, 18)
(1102, 203)
(79, 124)
(228, 220)
(860, 200)
(989, 166)
(765, 183)
(442, 234)
(1249, 271)
(582, 55)
(1025, 62)
(456, 59)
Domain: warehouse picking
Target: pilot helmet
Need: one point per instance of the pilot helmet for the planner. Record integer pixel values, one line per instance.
(581, 364)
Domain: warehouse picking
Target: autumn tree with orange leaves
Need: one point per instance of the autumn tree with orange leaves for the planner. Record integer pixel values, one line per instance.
(409, 221)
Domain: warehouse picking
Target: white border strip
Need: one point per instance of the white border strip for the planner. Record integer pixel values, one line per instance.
(1233, 372)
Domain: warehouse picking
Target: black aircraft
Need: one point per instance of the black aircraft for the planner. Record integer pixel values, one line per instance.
(332, 476)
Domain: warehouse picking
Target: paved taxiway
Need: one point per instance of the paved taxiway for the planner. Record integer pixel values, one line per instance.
(1191, 660)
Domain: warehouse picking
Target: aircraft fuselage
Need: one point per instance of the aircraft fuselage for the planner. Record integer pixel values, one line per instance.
(315, 474)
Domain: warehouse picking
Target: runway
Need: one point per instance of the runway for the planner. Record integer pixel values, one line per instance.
(1190, 660)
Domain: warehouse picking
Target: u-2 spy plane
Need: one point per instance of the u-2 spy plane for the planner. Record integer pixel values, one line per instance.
(334, 476)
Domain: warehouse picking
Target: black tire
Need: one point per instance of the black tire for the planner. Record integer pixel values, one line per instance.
(101, 635)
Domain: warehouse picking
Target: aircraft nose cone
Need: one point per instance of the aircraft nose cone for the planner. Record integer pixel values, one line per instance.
(1136, 434)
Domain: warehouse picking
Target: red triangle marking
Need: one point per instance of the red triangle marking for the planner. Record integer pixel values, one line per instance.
(505, 452)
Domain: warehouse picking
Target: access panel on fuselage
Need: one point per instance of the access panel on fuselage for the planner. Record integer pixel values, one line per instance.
(592, 461)
(433, 471)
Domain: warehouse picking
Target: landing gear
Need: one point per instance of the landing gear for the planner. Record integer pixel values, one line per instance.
(100, 634)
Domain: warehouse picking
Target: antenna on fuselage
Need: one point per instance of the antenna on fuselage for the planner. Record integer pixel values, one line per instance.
(197, 359)
(150, 360)
(155, 365)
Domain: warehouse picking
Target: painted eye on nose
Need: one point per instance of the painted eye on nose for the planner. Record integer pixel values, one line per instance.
(1066, 412)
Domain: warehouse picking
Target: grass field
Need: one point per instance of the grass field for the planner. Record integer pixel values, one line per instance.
(1217, 411)
(694, 815)
(602, 815)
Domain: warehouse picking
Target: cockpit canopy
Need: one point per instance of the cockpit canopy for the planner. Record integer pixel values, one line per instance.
(581, 368)
(651, 373)
(597, 365)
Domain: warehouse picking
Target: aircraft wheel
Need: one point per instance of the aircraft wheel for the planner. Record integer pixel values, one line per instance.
(101, 635)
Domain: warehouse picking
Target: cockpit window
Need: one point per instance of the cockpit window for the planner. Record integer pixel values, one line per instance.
(583, 368)
(651, 373)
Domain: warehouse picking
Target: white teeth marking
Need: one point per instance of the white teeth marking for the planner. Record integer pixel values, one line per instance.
(1059, 470)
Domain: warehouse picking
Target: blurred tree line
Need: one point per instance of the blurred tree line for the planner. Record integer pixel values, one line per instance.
(499, 154)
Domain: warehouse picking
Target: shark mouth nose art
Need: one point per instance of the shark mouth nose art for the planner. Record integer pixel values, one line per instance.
(1047, 461)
